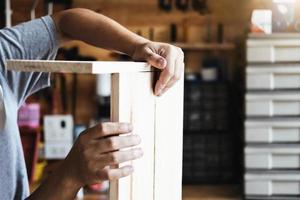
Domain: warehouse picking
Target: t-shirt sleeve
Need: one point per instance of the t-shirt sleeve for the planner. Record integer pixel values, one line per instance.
(33, 40)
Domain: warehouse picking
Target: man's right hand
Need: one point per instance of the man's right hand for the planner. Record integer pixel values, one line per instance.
(97, 149)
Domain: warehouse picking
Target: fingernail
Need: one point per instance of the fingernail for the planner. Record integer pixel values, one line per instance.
(128, 170)
(137, 139)
(162, 92)
(159, 90)
(158, 93)
(129, 127)
(138, 153)
(161, 62)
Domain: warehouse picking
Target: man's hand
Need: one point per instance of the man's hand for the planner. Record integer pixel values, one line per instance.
(168, 58)
(106, 33)
(90, 159)
(98, 148)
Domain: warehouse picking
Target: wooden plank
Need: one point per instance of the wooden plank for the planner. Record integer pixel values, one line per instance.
(168, 144)
(143, 121)
(120, 112)
(90, 67)
(159, 122)
(133, 101)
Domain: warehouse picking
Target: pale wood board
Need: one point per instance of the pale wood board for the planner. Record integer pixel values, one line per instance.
(90, 67)
(168, 144)
(143, 121)
(159, 122)
(120, 112)
(133, 101)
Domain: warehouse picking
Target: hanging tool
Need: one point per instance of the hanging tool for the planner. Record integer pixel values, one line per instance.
(66, 3)
(165, 5)
(32, 10)
(200, 6)
(182, 5)
(8, 13)
(173, 32)
(63, 93)
(220, 33)
(49, 7)
(2, 15)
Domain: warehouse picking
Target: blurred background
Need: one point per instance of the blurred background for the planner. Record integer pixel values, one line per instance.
(227, 44)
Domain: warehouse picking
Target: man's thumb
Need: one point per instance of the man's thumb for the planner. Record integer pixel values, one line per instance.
(157, 61)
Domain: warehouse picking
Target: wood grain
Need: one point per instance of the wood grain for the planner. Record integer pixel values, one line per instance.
(88, 67)
(120, 112)
(133, 101)
(159, 122)
(168, 143)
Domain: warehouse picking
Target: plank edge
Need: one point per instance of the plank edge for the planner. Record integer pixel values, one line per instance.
(91, 67)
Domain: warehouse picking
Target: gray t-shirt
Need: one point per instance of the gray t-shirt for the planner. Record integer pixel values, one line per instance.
(36, 39)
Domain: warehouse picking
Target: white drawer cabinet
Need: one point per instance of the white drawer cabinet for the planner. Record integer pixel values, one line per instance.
(272, 157)
(282, 130)
(270, 184)
(270, 77)
(270, 104)
(273, 48)
(272, 127)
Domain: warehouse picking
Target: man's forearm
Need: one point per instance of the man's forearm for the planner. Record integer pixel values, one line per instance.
(97, 30)
(59, 186)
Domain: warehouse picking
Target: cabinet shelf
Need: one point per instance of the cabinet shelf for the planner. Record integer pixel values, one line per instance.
(205, 46)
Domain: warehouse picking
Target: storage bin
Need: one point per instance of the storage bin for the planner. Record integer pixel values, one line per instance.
(272, 77)
(272, 183)
(209, 157)
(280, 130)
(273, 104)
(29, 115)
(273, 48)
(272, 157)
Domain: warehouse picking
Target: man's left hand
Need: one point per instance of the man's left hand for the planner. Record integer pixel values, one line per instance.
(168, 58)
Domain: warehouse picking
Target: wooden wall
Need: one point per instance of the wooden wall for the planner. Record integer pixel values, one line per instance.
(144, 14)
(141, 15)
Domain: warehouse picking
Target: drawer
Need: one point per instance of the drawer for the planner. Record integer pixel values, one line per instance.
(272, 184)
(269, 77)
(273, 104)
(259, 53)
(273, 50)
(279, 197)
(272, 157)
(284, 130)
